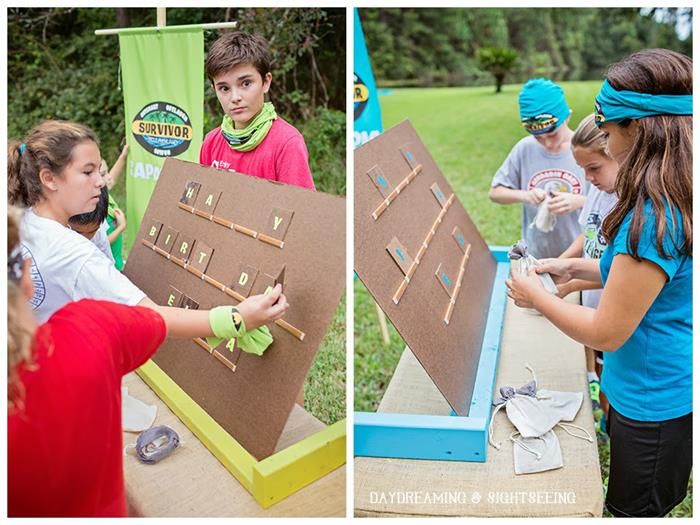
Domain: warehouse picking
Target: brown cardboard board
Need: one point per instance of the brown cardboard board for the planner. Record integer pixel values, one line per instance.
(174, 297)
(166, 239)
(253, 402)
(244, 279)
(278, 223)
(400, 254)
(416, 302)
(379, 180)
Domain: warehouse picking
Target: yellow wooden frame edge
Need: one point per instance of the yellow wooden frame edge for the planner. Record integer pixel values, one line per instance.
(283, 473)
(271, 479)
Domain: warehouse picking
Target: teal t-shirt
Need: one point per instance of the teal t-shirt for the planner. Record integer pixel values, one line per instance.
(650, 377)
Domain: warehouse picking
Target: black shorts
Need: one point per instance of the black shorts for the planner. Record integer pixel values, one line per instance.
(650, 464)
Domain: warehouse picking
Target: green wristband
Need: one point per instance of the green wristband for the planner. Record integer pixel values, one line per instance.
(222, 324)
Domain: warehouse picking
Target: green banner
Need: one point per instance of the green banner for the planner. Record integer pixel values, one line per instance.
(163, 84)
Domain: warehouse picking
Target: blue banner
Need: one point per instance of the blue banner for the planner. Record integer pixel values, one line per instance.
(368, 116)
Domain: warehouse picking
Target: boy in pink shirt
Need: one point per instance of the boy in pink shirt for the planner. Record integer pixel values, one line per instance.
(252, 139)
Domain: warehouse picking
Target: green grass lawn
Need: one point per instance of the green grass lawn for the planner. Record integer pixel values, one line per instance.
(469, 132)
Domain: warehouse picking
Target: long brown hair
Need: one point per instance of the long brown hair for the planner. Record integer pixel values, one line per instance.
(49, 145)
(659, 165)
(19, 339)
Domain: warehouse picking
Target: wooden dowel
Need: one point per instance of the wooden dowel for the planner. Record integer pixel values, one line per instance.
(400, 291)
(203, 215)
(247, 231)
(394, 193)
(223, 222)
(195, 271)
(291, 329)
(233, 293)
(203, 344)
(228, 291)
(381, 317)
(380, 209)
(448, 314)
(270, 240)
(228, 364)
(214, 282)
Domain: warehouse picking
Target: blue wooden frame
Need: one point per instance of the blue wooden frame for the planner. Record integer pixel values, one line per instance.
(444, 438)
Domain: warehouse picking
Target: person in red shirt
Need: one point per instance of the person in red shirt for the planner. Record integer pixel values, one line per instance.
(64, 392)
(252, 139)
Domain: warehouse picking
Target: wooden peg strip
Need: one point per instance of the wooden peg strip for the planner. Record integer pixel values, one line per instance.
(458, 285)
(216, 284)
(228, 364)
(223, 222)
(233, 293)
(245, 231)
(203, 344)
(394, 193)
(401, 290)
(270, 240)
(195, 271)
(424, 247)
(232, 225)
(291, 329)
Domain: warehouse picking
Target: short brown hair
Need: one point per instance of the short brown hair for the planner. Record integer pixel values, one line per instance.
(238, 47)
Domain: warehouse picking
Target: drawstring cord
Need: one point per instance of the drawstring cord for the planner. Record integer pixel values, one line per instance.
(587, 437)
(522, 445)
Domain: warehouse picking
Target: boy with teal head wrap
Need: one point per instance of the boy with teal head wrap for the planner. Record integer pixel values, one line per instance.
(543, 107)
(540, 172)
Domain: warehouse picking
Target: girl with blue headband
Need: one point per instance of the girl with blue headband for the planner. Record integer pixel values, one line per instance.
(644, 318)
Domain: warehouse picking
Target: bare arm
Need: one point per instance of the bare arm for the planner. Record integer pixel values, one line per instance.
(576, 285)
(119, 228)
(256, 311)
(563, 270)
(505, 195)
(574, 250)
(181, 322)
(118, 167)
(622, 306)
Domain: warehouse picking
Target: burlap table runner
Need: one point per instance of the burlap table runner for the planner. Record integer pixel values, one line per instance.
(396, 487)
(192, 482)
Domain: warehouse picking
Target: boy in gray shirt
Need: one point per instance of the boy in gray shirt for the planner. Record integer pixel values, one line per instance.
(543, 164)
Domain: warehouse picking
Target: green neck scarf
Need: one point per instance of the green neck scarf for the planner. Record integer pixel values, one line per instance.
(252, 135)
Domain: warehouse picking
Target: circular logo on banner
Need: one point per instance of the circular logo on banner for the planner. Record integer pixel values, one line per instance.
(360, 95)
(162, 129)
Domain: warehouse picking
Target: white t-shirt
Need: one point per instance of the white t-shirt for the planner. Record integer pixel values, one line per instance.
(67, 267)
(101, 240)
(598, 206)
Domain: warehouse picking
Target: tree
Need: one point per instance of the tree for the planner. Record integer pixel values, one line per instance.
(498, 61)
